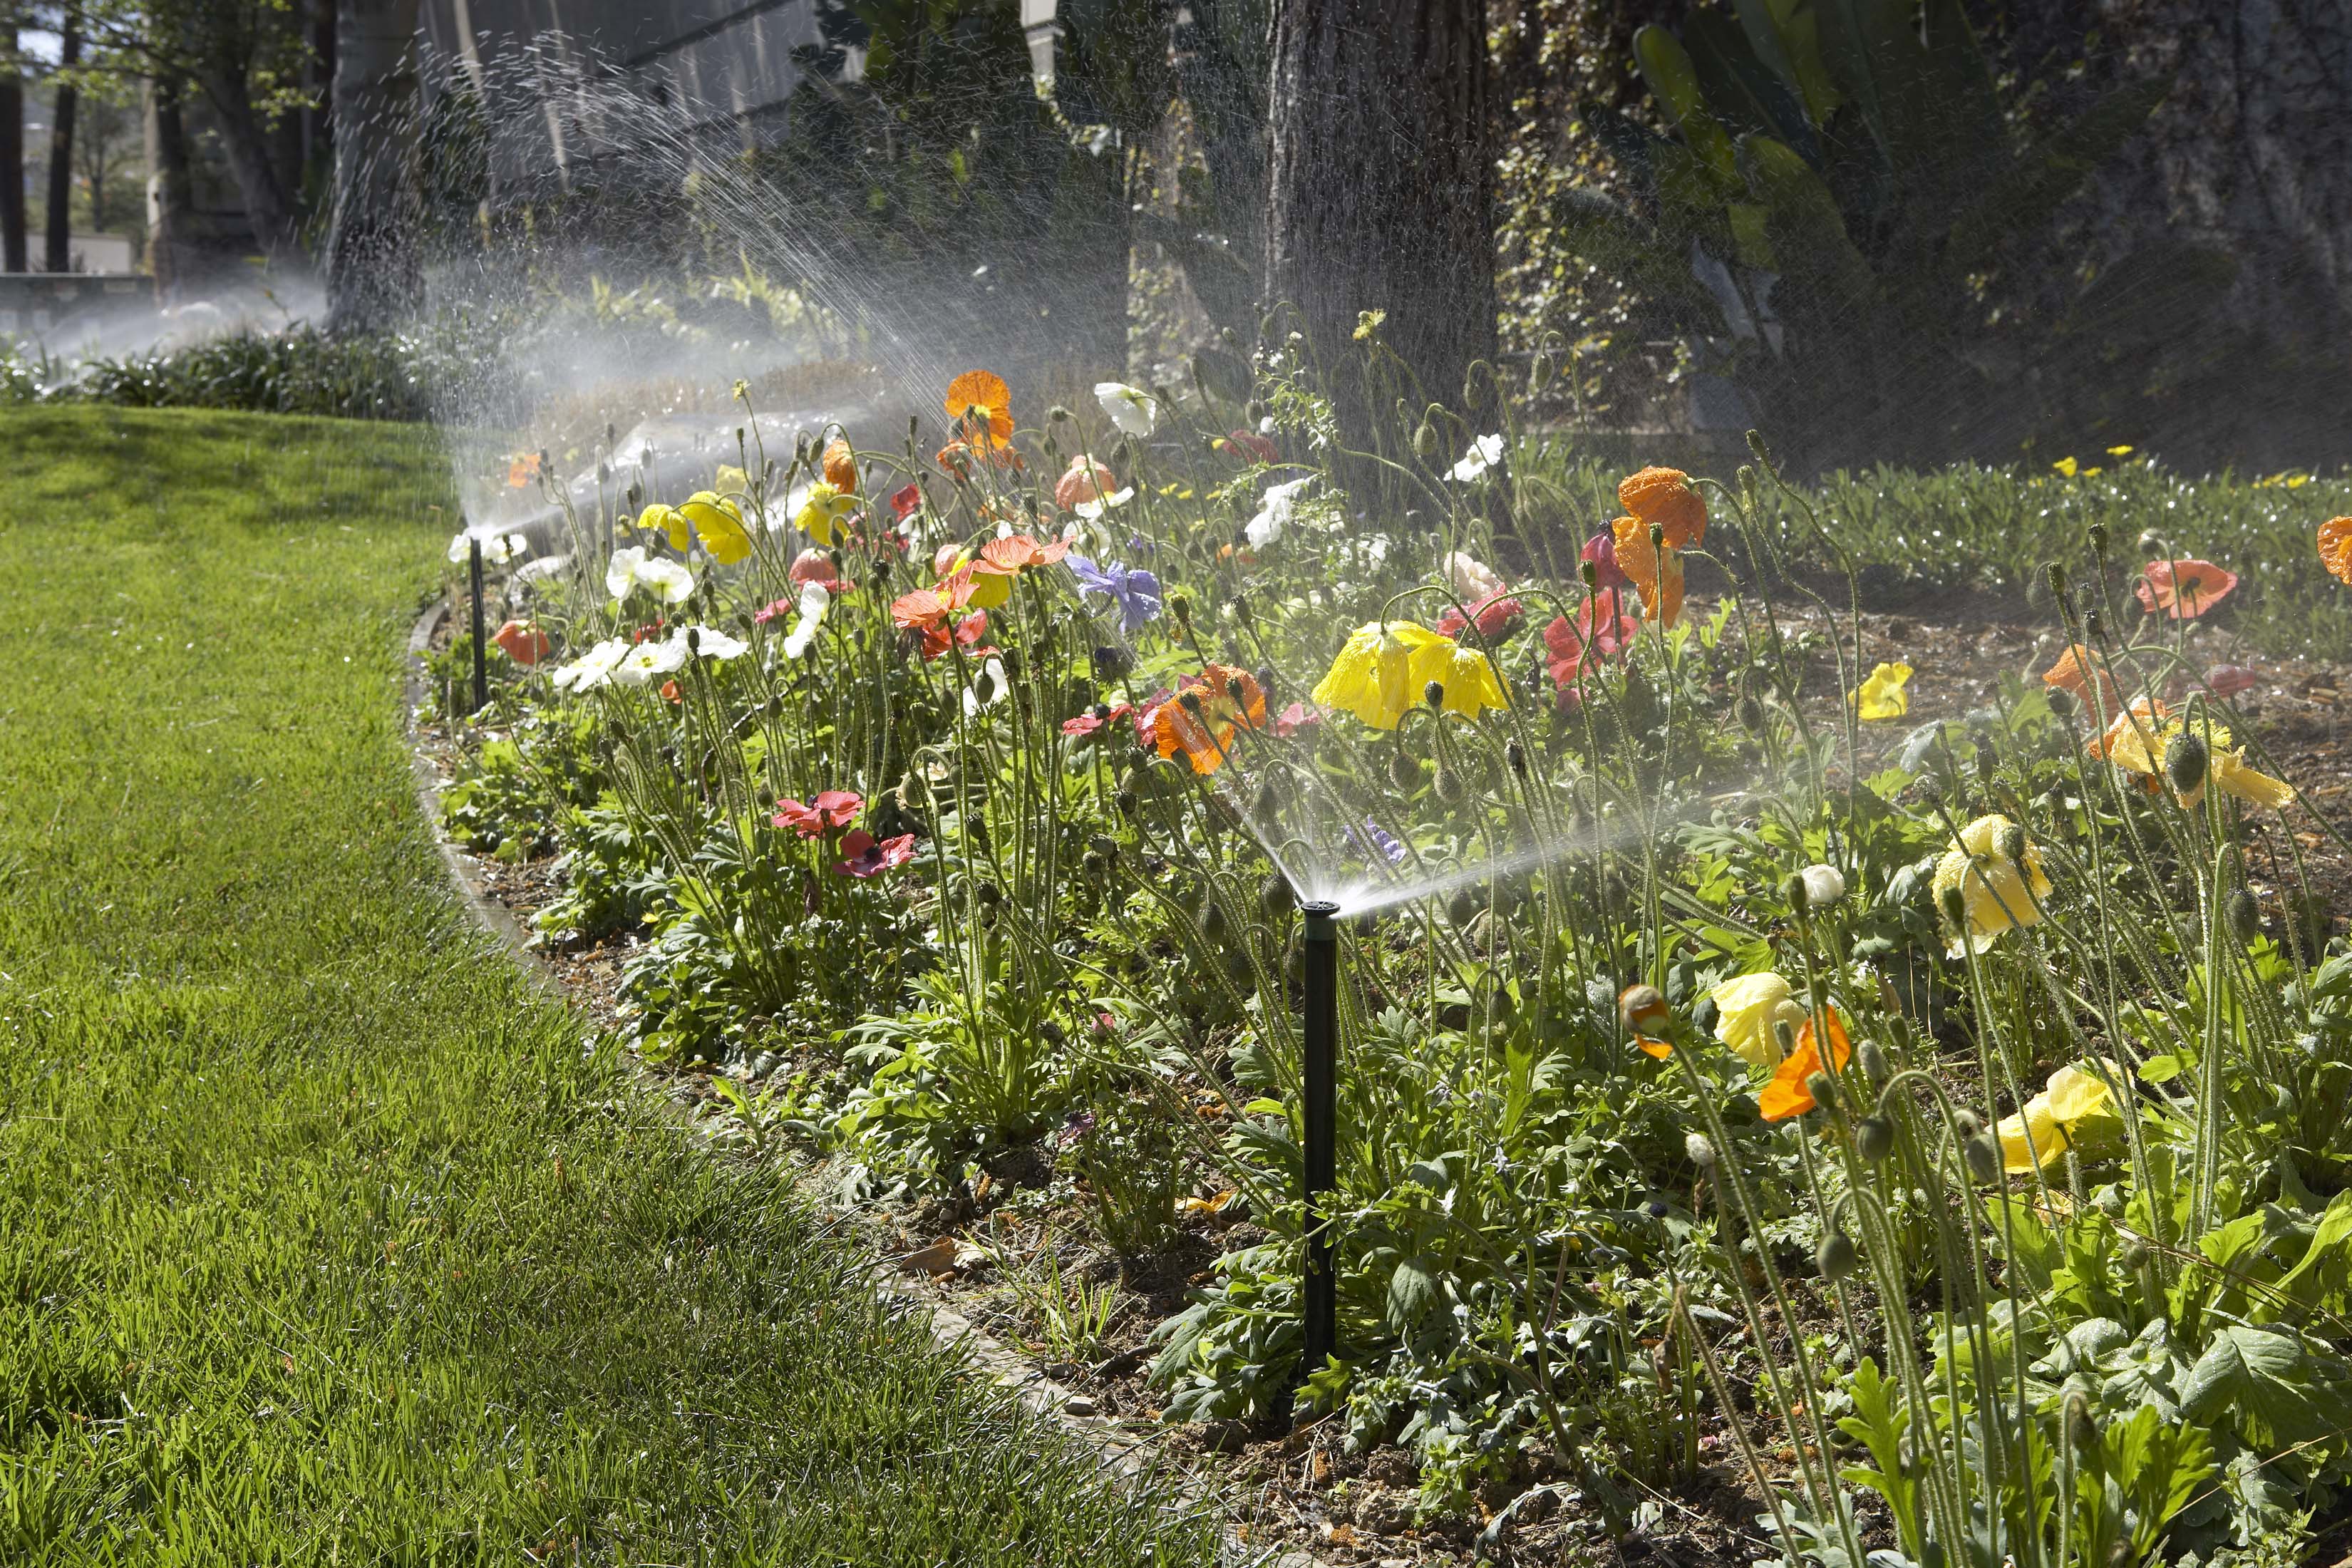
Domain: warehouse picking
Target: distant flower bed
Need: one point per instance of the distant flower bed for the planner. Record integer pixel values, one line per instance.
(1941, 1123)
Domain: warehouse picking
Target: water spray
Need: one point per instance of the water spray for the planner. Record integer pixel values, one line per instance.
(481, 658)
(1319, 1315)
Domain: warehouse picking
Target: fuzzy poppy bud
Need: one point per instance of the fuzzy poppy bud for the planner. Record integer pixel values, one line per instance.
(881, 569)
(1642, 1009)
(1969, 1123)
(1424, 442)
(2184, 762)
(2094, 625)
(1448, 787)
(2056, 573)
(775, 706)
(2133, 1255)
(1129, 802)
(1237, 965)
(1836, 1255)
(1104, 845)
(1874, 1138)
(1756, 445)
(2082, 1431)
(1433, 694)
(1822, 1087)
(1955, 906)
(1058, 415)
(2013, 844)
(2097, 534)
(1092, 864)
(1793, 888)
(1111, 662)
(1700, 1150)
(2064, 705)
(990, 895)
(1590, 573)
(1983, 1156)
(694, 639)
(1274, 894)
(1404, 773)
(1516, 755)
(1180, 606)
(2151, 543)
(1212, 919)
(1462, 907)
(2244, 913)
(1748, 714)
(1872, 1061)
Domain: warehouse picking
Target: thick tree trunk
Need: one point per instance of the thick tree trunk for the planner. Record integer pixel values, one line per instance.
(1383, 189)
(12, 154)
(253, 163)
(319, 84)
(172, 250)
(374, 275)
(58, 250)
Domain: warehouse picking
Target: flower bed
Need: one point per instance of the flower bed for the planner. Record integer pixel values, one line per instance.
(1934, 1127)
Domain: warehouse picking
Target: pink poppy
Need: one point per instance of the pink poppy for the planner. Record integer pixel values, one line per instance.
(814, 565)
(2183, 589)
(1095, 718)
(830, 809)
(1494, 614)
(1294, 718)
(904, 501)
(2229, 679)
(1601, 549)
(1086, 481)
(1601, 630)
(864, 857)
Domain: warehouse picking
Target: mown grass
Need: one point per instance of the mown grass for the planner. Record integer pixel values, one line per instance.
(322, 1237)
(1992, 531)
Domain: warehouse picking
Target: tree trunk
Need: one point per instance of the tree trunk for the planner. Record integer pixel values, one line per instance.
(373, 276)
(59, 248)
(1382, 192)
(171, 245)
(12, 154)
(252, 162)
(319, 84)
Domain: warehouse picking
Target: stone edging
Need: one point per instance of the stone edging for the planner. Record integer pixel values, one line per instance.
(1134, 1461)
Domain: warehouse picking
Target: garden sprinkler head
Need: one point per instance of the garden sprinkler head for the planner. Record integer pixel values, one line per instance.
(474, 583)
(1320, 1117)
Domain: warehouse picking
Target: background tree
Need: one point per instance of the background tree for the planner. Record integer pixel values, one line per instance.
(375, 276)
(1381, 186)
(58, 249)
(12, 144)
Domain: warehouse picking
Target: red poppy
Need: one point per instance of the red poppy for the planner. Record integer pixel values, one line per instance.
(522, 642)
(1787, 1095)
(2183, 589)
(654, 630)
(1093, 719)
(1250, 446)
(830, 809)
(906, 499)
(2229, 679)
(1493, 615)
(1601, 549)
(670, 692)
(862, 857)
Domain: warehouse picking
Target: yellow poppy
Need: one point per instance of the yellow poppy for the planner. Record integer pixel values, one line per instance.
(1997, 892)
(719, 524)
(1748, 1012)
(2142, 747)
(1386, 666)
(823, 511)
(1882, 696)
(2046, 1126)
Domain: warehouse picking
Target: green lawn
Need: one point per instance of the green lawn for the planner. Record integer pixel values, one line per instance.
(322, 1239)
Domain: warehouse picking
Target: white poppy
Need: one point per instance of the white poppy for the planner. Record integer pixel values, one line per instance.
(988, 689)
(650, 660)
(708, 642)
(1091, 509)
(498, 549)
(1274, 511)
(592, 668)
(1131, 408)
(1471, 579)
(1483, 454)
(620, 572)
(815, 599)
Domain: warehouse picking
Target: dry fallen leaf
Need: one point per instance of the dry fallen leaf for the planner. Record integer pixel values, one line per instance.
(940, 1258)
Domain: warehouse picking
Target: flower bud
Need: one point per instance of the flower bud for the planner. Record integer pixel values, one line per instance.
(1180, 605)
(2133, 1255)
(2097, 534)
(2056, 573)
(1836, 1257)
(1275, 895)
(2094, 625)
(1756, 445)
(1822, 1087)
(1424, 442)
(1955, 906)
(2184, 762)
(1404, 773)
(2244, 913)
(2151, 542)
(1590, 574)
(2012, 845)
(1700, 1150)
(2082, 1431)
(1983, 1156)
(1793, 889)
(1748, 714)
(1642, 1009)
(1875, 1069)
(1515, 756)
(1129, 802)
(1874, 1138)
(1212, 918)
(1969, 1122)
(1435, 694)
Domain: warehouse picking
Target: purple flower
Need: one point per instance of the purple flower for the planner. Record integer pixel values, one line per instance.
(1133, 589)
(1376, 841)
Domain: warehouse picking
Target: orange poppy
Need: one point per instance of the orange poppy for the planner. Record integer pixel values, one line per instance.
(1221, 700)
(1017, 552)
(927, 607)
(2077, 669)
(841, 466)
(522, 470)
(522, 642)
(979, 400)
(1663, 496)
(2335, 547)
(2137, 723)
(2183, 589)
(956, 459)
(1659, 580)
(1787, 1095)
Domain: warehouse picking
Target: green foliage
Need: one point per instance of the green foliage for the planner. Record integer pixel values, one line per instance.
(1842, 213)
